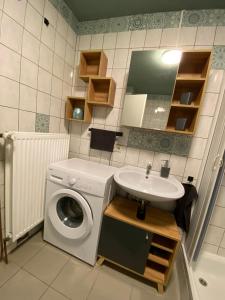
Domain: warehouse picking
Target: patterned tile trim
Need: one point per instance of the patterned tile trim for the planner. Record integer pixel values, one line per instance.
(218, 61)
(158, 141)
(204, 17)
(42, 123)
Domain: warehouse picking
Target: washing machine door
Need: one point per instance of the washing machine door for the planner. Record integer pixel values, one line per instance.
(70, 214)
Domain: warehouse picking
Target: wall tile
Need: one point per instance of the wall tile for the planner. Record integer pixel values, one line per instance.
(55, 107)
(158, 160)
(33, 21)
(153, 38)
(10, 65)
(43, 103)
(137, 38)
(97, 41)
(50, 13)
(197, 149)
(110, 55)
(11, 33)
(48, 36)
(214, 81)
(187, 36)
(84, 42)
(223, 242)
(172, 19)
(42, 123)
(109, 41)
(44, 81)
(9, 92)
(16, 9)
(60, 46)
(205, 36)
(30, 47)
(210, 248)
(46, 58)
(192, 168)
(221, 251)
(214, 235)
(29, 73)
(119, 77)
(218, 217)
(120, 58)
(123, 39)
(220, 36)
(209, 104)
(58, 66)
(132, 156)
(28, 98)
(119, 24)
(61, 26)
(56, 87)
(26, 121)
(177, 165)
(70, 55)
(38, 5)
(54, 125)
(8, 119)
(71, 37)
(145, 157)
(169, 37)
(137, 22)
(203, 127)
(155, 20)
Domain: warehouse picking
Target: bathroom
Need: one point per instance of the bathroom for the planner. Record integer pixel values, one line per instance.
(41, 45)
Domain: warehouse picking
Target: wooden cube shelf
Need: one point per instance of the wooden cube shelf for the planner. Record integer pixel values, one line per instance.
(92, 63)
(79, 102)
(182, 112)
(101, 91)
(191, 77)
(194, 64)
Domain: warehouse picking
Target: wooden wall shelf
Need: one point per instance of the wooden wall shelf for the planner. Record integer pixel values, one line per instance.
(101, 91)
(92, 63)
(191, 77)
(80, 102)
(161, 248)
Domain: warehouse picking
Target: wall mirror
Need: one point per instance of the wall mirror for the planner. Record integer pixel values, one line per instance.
(150, 86)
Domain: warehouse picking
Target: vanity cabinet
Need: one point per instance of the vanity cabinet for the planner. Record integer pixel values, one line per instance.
(125, 244)
(145, 247)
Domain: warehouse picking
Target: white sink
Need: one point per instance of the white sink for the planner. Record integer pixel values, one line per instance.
(154, 188)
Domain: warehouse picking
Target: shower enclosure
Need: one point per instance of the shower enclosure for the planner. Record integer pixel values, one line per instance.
(207, 270)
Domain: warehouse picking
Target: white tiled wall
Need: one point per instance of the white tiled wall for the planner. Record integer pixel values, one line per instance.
(36, 67)
(118, 48)
(215, 238)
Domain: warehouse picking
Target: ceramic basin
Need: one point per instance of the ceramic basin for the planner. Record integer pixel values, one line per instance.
(154, 188)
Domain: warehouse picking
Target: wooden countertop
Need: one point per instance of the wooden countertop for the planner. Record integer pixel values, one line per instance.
(156, 221)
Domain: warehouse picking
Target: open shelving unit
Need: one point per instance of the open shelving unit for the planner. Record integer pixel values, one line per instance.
(164, 241)
(100, 90)
(78, 102)
(191, 77)
(92, 63)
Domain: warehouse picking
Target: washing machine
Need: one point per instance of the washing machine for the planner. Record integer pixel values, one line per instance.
(77, 193)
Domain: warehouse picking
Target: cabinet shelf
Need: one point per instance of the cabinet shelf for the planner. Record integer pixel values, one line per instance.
(101, 91)
(163, 243)
(157, 259)
(78, 102)
(155, 272)
(92, 63)
(177, 104)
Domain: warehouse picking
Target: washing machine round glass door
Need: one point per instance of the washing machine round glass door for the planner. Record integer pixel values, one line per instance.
(70, 214)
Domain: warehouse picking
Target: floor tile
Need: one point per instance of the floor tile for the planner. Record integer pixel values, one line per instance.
(51, 294)
(75, 280)
(22, 286)
(110, 287)
(26, 251)
(46, 264)
(7, 271)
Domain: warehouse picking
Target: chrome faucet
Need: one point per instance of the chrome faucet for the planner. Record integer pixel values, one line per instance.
(148, 169)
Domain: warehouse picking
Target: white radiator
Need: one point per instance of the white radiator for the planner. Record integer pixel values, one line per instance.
(27, 158)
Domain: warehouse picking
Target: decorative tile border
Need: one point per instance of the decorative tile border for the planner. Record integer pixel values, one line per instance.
(42, 123)
(218, 61)
(159, 141)
(204, 17)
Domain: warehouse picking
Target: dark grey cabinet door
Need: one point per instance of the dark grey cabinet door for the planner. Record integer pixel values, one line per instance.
(124, 244)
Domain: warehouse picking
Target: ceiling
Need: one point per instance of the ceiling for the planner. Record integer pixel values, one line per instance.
(101, 9)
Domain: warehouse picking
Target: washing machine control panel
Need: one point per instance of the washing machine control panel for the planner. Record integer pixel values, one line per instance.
(72, 181)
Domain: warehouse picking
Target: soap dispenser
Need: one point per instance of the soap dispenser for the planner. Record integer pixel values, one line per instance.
(165, 170)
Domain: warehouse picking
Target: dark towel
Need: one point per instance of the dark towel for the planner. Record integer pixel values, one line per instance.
(102, 139)
(183, 206)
